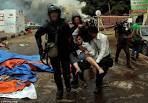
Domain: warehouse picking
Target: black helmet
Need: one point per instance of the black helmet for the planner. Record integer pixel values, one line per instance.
(53, 8)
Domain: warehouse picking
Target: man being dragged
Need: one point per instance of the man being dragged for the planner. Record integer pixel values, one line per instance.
(84, 52)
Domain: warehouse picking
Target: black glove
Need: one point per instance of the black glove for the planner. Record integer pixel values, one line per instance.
(42, 54)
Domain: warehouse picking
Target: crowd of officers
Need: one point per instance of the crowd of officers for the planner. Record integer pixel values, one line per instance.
(80, 47)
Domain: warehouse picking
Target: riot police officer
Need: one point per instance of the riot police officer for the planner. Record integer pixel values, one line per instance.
(122, 34)
(59, 34)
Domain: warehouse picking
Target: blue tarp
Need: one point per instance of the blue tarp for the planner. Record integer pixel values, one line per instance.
(22, 72)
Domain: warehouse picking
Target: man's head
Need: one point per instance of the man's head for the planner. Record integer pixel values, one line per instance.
(79, 40)
(93, 31)
(54, 13)
(76, 20)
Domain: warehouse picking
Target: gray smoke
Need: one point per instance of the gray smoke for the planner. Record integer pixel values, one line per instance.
(36, 10)
(71, 7)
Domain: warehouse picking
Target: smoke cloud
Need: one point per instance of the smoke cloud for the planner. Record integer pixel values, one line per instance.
(71, 7)
(36, 10)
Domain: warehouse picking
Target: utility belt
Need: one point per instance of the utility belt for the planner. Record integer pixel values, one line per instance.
(51, 49)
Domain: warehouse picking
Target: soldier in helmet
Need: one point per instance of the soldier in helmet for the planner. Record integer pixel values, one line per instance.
(58, 34)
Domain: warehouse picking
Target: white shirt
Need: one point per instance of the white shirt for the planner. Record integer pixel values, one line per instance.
(101, 46)
(76, 31)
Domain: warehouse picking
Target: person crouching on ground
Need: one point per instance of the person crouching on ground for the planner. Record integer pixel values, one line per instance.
(100, 44)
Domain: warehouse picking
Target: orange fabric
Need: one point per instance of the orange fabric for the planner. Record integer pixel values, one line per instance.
(11, 86)
(15, 62)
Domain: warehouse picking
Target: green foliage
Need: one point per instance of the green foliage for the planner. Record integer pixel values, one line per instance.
(116, 7)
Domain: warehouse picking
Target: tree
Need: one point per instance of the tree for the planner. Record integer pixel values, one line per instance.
(113, 7)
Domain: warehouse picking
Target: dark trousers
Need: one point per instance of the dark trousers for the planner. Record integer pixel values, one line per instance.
(83, 66)
(60, 67)
(126, 50)
(136, 50)
(77, 76)
(99, 77)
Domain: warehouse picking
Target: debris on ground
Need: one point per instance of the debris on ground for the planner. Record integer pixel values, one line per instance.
(23, 45)
(122, 84)
(4, 44)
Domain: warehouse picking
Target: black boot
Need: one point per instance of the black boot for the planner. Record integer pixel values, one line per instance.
(75, 84)
(129, 66)
(68, 89)
(98, 90)
(59, 94)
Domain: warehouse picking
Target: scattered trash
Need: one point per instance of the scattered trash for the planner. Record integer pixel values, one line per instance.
(141, 83)
(66, 101)
(28, 31)
(122, 84)
(130, 97)
(4, 44)
(143, 76)
(4, 77)
(23, 45)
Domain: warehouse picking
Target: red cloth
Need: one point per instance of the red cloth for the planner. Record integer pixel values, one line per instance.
(15, 62)
(12, 86)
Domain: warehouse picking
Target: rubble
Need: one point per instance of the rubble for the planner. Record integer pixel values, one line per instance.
(127, 85)
(23, 45)
(4, 44)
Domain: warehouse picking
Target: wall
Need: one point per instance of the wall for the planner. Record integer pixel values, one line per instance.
(13, 21)
(10, 21)
(20, 21)
(1, 21)
(111, 20)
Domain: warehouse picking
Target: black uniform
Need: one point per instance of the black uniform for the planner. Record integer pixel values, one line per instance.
(64, 45)
(122, 36)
